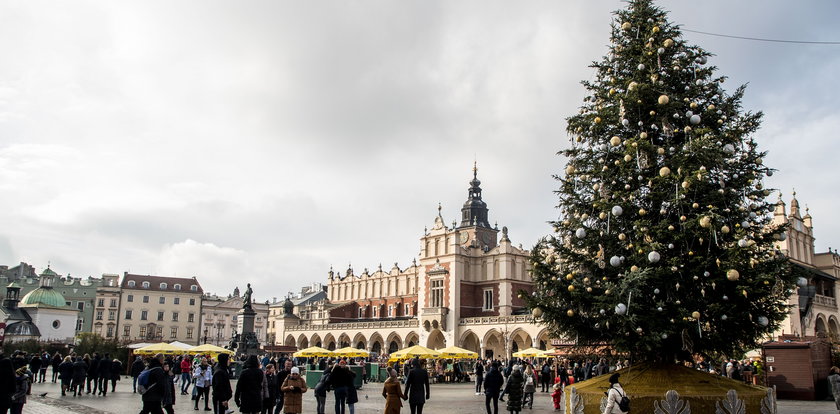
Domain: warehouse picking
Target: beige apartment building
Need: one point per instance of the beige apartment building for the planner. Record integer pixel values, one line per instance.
(219, 318)
(107, 307)
(156, 308)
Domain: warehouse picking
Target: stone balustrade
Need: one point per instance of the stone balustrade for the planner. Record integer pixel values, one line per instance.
(396, 323)
(495, 320)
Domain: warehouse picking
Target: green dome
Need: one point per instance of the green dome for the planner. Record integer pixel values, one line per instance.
(44, 296)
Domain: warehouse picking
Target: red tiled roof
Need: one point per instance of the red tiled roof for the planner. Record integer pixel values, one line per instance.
(155, 281)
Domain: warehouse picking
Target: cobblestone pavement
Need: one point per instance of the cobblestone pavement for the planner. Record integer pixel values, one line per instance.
(458, 398)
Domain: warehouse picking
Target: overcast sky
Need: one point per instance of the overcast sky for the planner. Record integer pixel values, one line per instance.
(264, 141)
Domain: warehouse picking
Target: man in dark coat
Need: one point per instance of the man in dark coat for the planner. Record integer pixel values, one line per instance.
(248, 395)
(156, 387)
(104, 374)
(80, 369)
(116, 371)
(479, 376)
(136, 368)
(492, 387)
(93, 372)
(221, 385)
(35, 366)
(417, 387)
(545, 376)
(7, 383)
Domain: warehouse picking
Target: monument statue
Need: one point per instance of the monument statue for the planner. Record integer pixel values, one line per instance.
(246, 300)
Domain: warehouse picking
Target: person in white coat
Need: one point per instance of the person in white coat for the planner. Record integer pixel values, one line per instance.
(614, 395)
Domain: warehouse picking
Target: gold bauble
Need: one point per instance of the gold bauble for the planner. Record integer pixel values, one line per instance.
(632, 86)
(668, 43)
(695, 315)
(663, 99)
(695, 205)
(570, 313)
(589, 290)
(655, 29)
(642, 212)
(597, 119)
(724, 229)
(705, 222)
(693, 105)
(732, 275)
(602, 215)
(683, 218)
(628, 158)
(671, 228)
(643, 135)
(615, 141)
(622, 236)
(652, 113)
(537, 312)
(664, 172)
(634, 268)
(612, 91)
(571, 288)
(569, 276)
(607, 292)
(685, 185)
(626, 26)
(660, 151)
(691, 253)
(711, 107)
(570, 169)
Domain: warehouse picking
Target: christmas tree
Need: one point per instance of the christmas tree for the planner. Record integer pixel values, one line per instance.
(663, 248)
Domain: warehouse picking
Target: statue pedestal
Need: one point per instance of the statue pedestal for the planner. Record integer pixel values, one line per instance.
(248, 342)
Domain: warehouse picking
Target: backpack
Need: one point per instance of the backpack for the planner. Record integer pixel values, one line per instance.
(546, 370)
(624, 402)
(529, 380)
(143, 381)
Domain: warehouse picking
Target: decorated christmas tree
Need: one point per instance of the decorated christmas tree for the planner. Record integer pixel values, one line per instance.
(664, 247)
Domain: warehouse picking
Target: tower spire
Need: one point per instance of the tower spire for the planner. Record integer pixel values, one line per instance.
(474, 211)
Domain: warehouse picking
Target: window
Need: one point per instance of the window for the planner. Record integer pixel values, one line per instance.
(160, 315)
(374, 310)
(126, 331)
(194, 288)
(68, 303)
(192, 301)
(162, 300)
(142, 331)
(112, 314)
(100, 302)
(176, 301)
(189, 333)
(177, 286)
(99, 315)
(130, 298)
(80, 324)
(407, 310)
(144, 315)
(191, 317)
(173, 332)
(114, 303)
(131, 283)
(361, 312)
(257, 332)
(163, 286)
(110, 332)
(128, 315)
(80, 306)
(488, 300)
(159, 332)
(390, 311)
(145, 299)
(174, 316)
(145, 285)
(436, 293)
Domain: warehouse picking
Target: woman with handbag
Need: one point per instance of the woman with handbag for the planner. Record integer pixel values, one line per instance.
(293, 388)
(203, 375)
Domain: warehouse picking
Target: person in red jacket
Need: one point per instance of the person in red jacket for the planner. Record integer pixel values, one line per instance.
(186, 371)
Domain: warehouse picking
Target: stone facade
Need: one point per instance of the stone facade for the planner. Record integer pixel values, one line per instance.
(107, 307)
(219, 318)
(814, 310)
(463, 290)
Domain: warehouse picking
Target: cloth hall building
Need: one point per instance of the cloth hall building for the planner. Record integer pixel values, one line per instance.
(462, 290)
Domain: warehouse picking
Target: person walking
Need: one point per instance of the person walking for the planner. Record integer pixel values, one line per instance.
(155, 387)
(514, 390)
(530, 387)
(321, 391)
(281, 376)
(339, 380)
(479, 376)
(834, 381)
(186, 374)
(168, 400)
(93, 373)
(293, 386)
(79, 372)
(23, 379)
(614, 396)
(272, 389)
(220, 382)
(203, 376)
(136, 368)
(65, 374)
(545, 376)
(104, 373)
(116, 371)
(7, 383)
(392, 391)
(417, 387)
(56, 363)
(493, 382)
(45, 363)
(249, 387)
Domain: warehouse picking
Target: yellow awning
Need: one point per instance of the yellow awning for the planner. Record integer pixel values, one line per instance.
(213, 350)
(415, 351)
(351, 352)
(161, 348)
(313, 351)
(530, 353)
(455, 352)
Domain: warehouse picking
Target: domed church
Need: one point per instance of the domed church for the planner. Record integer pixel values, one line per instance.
(42, 314)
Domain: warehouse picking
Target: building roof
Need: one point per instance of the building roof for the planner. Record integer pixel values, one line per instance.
(23, 328)
(156, 281)
(44, 295)
(310, 297)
